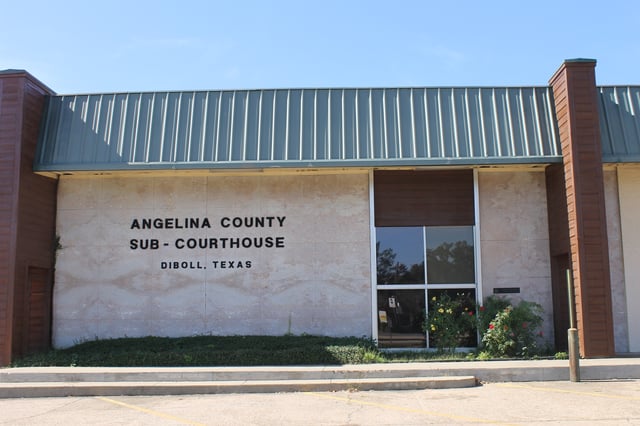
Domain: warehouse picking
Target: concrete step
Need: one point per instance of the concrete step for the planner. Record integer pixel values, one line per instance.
(84, 381)
(488, 371)
(97, 381)
(214, 374)
(111, 388)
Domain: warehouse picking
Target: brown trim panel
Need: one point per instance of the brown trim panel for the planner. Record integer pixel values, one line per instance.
(27, 212)
(575, 98)
(10, 135)
(423, 198)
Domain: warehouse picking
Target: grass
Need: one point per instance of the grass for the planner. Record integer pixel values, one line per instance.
(225, 351)
(202, 351)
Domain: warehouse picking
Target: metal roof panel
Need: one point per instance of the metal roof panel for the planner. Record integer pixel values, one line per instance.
(298, 128)
(620, 123)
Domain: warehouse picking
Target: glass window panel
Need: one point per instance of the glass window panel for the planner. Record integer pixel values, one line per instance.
(450, 255)
(400, 255)
(465, 304)
(401, 314)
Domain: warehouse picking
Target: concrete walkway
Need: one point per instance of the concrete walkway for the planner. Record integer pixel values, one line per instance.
(104, 381)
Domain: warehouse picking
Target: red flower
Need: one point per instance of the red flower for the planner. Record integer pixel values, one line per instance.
(470, 313)
(491, 327)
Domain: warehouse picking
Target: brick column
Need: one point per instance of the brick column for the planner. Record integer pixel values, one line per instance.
(577, 116)
(27, 219)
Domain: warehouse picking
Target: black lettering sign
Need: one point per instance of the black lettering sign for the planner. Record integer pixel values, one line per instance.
(144, 244)
(252, 222)
(170, 223)
(208, 242)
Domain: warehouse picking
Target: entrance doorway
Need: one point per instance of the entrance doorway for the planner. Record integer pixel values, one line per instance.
(407, 291)
(425, 248)
(559, 266)
(38, 317)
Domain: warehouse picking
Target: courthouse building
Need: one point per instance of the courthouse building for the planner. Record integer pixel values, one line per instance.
(324, 211)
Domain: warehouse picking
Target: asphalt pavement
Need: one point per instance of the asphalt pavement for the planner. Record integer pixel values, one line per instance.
(589, 402)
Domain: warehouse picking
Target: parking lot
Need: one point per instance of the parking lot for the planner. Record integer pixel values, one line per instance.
(529, 403)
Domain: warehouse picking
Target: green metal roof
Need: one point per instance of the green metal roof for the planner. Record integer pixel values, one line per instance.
(620, 123)
(298, 128)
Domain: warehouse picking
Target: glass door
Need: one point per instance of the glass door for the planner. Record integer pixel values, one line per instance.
(408, 292)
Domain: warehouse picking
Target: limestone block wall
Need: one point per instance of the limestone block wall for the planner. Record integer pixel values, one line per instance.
(616, 262)
(514, 237)
(629, 191)
(221, 255)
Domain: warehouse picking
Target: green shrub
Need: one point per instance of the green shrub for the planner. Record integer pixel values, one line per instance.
(483, 356)
(488, 311)
(513, 332)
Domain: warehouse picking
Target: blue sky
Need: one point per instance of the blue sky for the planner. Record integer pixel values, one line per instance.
(86, 46)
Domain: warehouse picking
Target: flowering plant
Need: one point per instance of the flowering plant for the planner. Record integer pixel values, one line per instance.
(450, 321)
(488, 310)
(513, 331)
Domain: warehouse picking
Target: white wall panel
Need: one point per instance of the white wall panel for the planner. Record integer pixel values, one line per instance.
(317, 283)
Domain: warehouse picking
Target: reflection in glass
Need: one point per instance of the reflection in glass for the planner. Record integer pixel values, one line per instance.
(400, 317)
(400, 255)
(450, 255)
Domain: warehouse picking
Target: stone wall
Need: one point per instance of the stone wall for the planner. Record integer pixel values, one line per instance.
(616, 262)
(115, 277)
(514, 238)
(629, 190)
